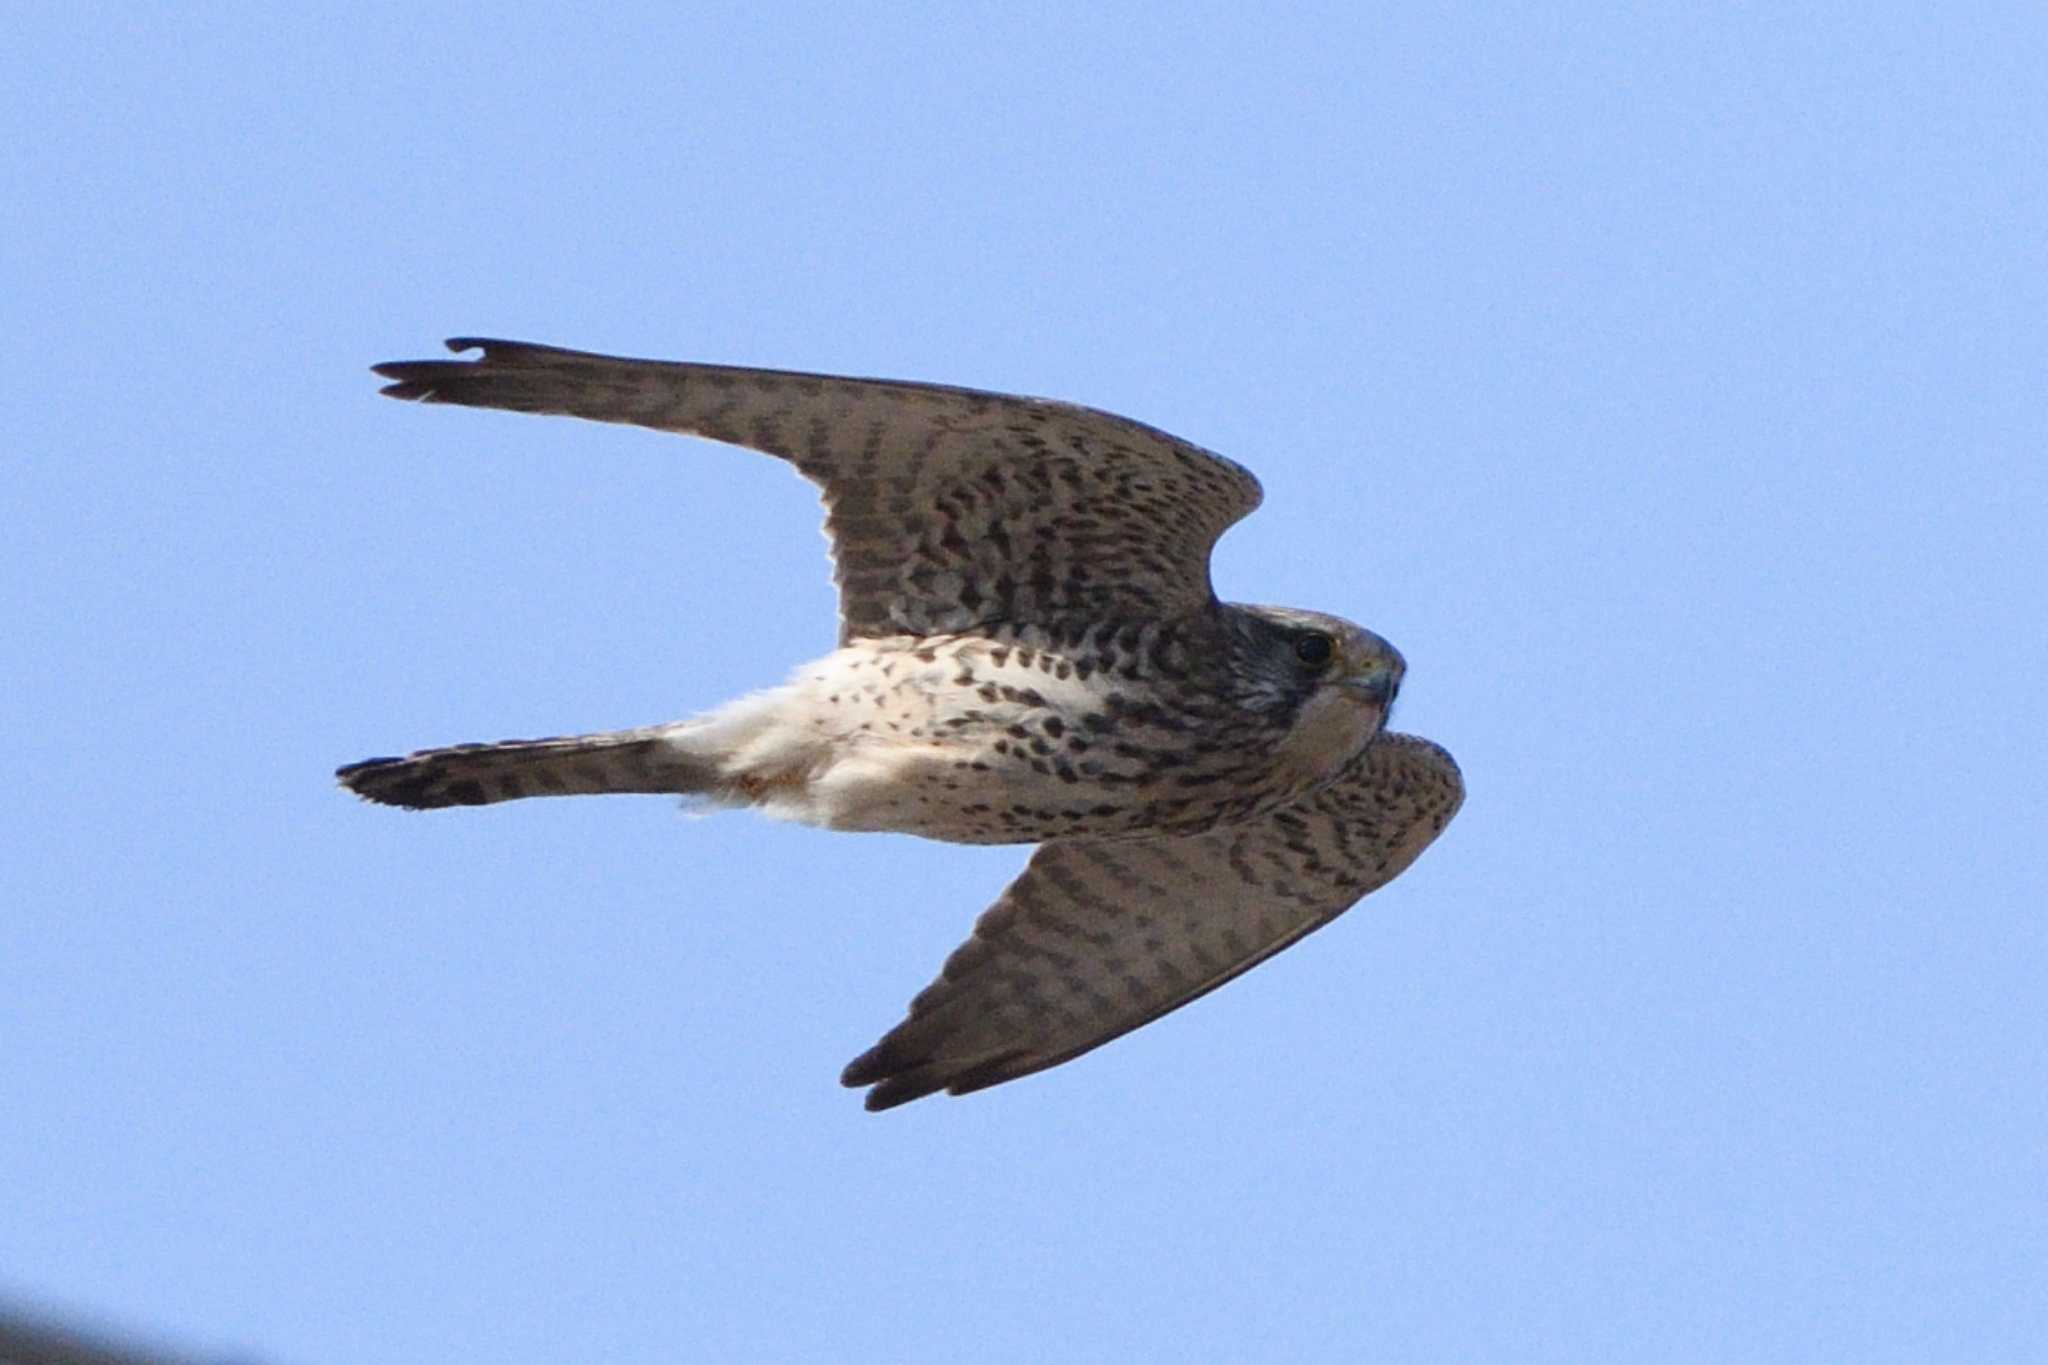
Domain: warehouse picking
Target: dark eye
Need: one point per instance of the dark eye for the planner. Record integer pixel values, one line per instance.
(1314, 648)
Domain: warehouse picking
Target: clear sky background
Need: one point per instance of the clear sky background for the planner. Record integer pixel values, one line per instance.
(1666, 381)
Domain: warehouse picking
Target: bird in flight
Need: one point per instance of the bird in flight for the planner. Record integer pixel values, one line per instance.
(1029, 652)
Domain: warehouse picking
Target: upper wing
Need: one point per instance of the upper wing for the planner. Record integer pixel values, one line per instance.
(947, 508)
(1098, 937)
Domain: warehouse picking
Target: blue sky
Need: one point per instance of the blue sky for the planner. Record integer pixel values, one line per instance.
(1666, 381)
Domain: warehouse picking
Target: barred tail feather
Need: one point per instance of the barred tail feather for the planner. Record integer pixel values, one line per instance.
(581, 765)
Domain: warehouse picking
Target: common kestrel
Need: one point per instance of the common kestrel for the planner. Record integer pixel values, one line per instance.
(1029, 652)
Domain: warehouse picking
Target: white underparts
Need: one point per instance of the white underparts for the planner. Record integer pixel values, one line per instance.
(871, 737)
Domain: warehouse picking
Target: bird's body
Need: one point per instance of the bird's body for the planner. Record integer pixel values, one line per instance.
(1004, 737)
(1029, 653)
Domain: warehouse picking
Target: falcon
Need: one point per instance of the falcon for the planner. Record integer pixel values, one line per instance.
(1030, 651)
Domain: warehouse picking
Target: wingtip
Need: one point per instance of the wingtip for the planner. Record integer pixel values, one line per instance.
(865, 1069)
(408, 378)
(413, 379)
(900, 1090)
(892, 1081)
(897, 1078)
(416, 380)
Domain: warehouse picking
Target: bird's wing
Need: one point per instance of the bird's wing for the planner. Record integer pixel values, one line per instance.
(947, 508)
(1098, 937)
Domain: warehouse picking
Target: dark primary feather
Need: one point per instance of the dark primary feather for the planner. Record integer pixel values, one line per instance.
(948, 508)
(1098, 937)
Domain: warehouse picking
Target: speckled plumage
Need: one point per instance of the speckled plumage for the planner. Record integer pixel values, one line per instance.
(1029, 652)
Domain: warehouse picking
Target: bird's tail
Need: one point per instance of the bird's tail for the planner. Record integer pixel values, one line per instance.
(647, 760)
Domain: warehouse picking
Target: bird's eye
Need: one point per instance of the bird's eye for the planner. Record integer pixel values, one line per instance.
(1314, 648)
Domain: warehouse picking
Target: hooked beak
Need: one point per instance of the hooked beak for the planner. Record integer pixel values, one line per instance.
(1375, 684)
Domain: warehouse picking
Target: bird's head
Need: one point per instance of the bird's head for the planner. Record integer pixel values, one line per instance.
(1333, 682)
